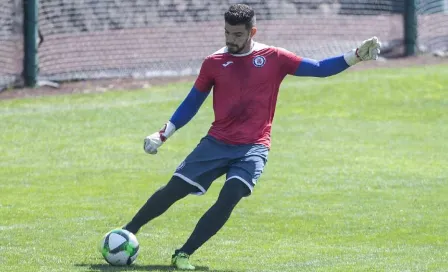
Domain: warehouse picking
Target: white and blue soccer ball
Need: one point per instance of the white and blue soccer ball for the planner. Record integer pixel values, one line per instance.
(119, 247)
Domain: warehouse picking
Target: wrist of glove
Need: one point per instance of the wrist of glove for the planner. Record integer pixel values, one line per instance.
(368, 50)
(155, 140)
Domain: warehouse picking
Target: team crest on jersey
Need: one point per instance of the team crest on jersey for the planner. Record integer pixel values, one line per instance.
(259, 61)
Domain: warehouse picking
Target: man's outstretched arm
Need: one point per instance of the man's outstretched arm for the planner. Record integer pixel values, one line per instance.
(323, 68)
(368, 50)
(183, 114)
(186, 110)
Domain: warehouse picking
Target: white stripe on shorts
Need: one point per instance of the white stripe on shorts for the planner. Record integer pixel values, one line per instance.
(251, 188)
(197, 185)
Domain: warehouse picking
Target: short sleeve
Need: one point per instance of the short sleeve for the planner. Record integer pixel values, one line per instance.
(205, 80)
(289, 62)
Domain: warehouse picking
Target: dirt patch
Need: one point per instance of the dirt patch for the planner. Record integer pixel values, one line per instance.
(129, 84)
(92, 86)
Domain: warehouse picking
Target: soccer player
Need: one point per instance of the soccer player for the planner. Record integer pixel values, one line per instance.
(245, 77)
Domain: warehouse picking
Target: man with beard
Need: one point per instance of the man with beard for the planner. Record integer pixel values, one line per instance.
(245, 77)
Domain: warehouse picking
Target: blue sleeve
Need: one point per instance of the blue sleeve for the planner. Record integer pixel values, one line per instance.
(323, 68)
(188, 108)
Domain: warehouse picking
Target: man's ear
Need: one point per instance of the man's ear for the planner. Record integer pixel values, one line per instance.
(253, 31)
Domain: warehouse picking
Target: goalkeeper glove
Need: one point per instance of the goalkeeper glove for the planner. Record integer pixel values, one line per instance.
(368, 50)
(155, 140)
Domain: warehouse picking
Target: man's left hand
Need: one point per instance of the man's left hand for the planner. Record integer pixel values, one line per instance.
(368, 50)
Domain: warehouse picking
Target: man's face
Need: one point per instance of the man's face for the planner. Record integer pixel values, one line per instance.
(237, 38)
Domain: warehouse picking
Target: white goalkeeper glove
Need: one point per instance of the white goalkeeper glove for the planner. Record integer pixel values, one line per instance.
(368, 50)
(155, 140)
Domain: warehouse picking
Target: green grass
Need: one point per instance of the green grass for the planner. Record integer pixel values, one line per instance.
(357, 179)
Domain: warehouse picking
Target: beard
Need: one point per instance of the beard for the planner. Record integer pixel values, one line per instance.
(234, 49)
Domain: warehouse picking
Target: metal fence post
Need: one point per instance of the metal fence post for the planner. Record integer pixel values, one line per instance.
(410, 27)
(30, 25)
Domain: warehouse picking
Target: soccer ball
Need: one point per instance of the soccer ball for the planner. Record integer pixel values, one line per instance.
(119, 247)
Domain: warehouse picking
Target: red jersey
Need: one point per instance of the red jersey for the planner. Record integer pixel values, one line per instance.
(245, 90)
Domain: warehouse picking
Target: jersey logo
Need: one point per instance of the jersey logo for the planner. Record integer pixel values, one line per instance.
(259, 61)
(227, 63)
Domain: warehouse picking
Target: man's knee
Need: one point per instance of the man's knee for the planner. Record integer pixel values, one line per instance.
(233, 191)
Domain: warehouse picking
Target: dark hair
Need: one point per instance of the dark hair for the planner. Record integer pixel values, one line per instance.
(240, 14)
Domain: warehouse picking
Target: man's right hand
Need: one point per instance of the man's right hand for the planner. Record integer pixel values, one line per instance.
(155, 140)
(152, 142)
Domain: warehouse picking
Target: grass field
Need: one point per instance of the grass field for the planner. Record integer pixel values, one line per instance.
(357, 179)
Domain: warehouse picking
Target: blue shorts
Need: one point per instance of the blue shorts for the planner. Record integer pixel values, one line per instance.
(213, 158)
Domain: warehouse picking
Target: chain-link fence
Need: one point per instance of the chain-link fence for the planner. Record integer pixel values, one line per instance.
(86, 39)
(11, 41)
(432, 25)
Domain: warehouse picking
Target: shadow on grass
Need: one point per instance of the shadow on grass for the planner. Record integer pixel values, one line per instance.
(137, 267)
